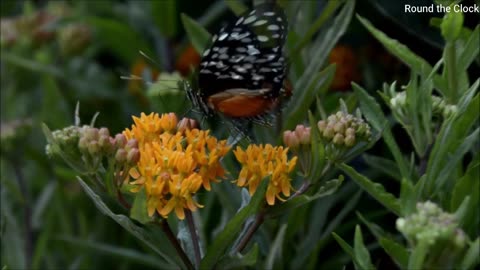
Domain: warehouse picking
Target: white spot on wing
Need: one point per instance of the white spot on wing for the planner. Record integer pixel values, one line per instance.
(250, 19)
(273, 27)
(262, 38)
(260, 22)
(223, 36)
(205, 53)
(269, 13)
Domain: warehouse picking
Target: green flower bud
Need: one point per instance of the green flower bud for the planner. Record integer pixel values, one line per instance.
(322, 124)
(93, 148)
(329, 132)
(350, 140)
(339, 127)
(83, 144)
(104, 132)
(338, 139)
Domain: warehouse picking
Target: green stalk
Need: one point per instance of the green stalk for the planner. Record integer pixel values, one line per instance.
(451, 60)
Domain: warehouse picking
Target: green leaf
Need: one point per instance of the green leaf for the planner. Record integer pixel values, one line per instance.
(455, 158)
(318, 152)
(451, 135)
(164, 14)
(198, 35)
(139, 210)
(396, 251)
(375, 229)
(373, 113)
(471, 258)
(360, 251)
(170, 260)
(225, 238)
(239, 261)
(470, 51)
(347, 248)
(327, 12)
(41, 203)
(299, 105)
(327, 189)
(383, 165)
(120, 38)
(451, 25)
(468, 185)
(408, 197)
(376, 190)
(325, 44)
(418, 255)
(115, 251)
(54, 110)
(404, 54)
(236, 6)
(275, 253)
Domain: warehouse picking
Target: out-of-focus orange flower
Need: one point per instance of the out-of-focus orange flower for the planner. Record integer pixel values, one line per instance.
(347, 67)
(139, 71)
(188, 58)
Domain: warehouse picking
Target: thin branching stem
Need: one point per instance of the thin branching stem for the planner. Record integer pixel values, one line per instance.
(259, 218)
(173, 240)
(193, 234)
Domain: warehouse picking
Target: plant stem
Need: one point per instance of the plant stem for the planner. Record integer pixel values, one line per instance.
(27, 211)
(251, 231)
(450, 56)
(173, 240)
(193, 234)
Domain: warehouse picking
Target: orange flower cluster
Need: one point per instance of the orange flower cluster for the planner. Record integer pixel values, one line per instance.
(173, 164)
(260, 162)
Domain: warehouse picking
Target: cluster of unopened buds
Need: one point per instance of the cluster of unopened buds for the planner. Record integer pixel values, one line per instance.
(344, 129)
(300, 136)
(398, 102)
(431, 224)
(97, 142)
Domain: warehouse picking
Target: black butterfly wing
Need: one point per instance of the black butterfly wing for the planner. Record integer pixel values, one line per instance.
(246, 54)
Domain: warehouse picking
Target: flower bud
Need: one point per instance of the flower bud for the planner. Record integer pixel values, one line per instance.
(322, 124)
(290, 139)
(131, 144)
(90, 133)
(338, 139)
(186, 123)
(329, 132)
(121, 155)
(93, 148)
(339, 127)
(350, 131)
(350, 140)
(104, 132)
(305, 136)
(133, 156)
(83, 144)
(120, 140)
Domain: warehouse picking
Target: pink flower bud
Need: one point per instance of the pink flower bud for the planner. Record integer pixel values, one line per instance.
(186, 123)
(290, 139)
(121, 156)
(338, 139)
(120, 140)
(133, 156)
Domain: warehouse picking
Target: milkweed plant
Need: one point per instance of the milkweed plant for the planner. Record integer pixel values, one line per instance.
(202, 201)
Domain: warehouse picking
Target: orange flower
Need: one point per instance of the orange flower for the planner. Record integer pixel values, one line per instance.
(346, 71)
(188, 59)
(260, 162)
(173, 165)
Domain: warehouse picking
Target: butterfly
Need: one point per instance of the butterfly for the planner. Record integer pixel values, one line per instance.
(241, 74)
